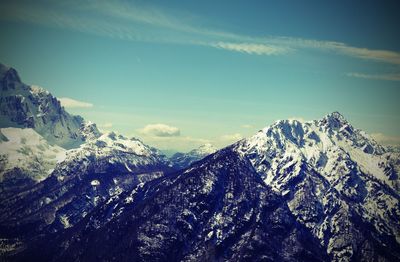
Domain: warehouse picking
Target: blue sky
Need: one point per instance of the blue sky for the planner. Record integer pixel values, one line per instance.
(181, 73)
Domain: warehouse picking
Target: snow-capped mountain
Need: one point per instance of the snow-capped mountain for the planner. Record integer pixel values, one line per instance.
(337, 181)
(55, 168)
(110, 151)
(296, 191)
(217, 210)
(182, 160)
(25, 158)
(25, 106)
(89, 175)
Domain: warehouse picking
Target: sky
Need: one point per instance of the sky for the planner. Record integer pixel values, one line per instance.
(178, 74)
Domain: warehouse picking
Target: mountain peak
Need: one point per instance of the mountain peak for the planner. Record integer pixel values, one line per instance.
(9, 76)
(334, 120)
(335, 115)
(37, 90)
(34, 107)
(89, 130)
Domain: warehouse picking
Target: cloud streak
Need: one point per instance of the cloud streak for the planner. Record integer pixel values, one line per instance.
(134, 22)
(386, 140)
(251, 48)
(384, 56)
(388, 77)
(72, 103)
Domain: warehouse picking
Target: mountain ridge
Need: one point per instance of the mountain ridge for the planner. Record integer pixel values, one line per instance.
(28, 106)
(319, 190)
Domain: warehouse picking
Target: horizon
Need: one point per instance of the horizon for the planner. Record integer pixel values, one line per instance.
(181, 75)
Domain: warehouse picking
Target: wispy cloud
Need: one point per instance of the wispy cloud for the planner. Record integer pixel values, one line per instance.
(385, 56)
(247, 126)
(386, 140)
(140, 22)
(160, 130)
(72, 103)
(389, 77)
(106, 125)
(252, 48)
(365, 53)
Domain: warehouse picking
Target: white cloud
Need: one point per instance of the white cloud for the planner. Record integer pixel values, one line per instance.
(106, 125)
(251, 48)
(72, 103)
(247, 126)
(365, 53)
(232, 137)
(386, 140)
(160, 130)
(338, 47)
(389, 77)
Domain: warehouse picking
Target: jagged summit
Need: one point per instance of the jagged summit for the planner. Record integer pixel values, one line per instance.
(8, 75)
(330, 173)
(335, 115)
(334, 120)
(89, 130)
(25, 106)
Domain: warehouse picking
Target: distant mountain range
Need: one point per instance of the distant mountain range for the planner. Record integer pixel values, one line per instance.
(321, 190)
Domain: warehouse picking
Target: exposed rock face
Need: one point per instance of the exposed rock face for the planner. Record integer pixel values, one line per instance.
(296, 191)
(314, 191)
(33, 107)
(218, 210)
(44, 187)
(89, 175)
(337, 181)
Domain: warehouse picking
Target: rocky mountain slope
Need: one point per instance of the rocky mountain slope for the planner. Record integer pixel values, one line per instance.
(45, 187)
(296, 191)
(25, 158)
(183, 160)
(219, 209)
(88, 175)
(338, 182)
(25, 106)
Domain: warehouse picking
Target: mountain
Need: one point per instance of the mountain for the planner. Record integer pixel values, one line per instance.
(89, 175)
(296, 191)
(25, 106)
(55, 168)
(321, 190)
(219, 209)
(182, 160)
(26, 158)
(337, 181)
